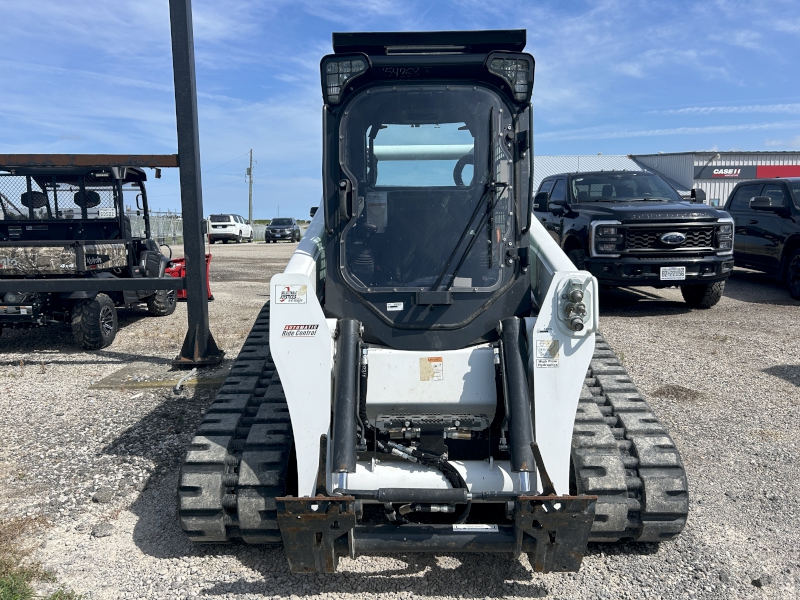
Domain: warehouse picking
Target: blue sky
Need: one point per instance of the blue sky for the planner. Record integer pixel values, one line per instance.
(613, 77)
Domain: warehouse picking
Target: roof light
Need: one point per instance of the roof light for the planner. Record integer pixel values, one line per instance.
(516, 70)
(337, 72)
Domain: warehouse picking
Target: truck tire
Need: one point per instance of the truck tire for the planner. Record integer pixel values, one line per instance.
(94, 322)
(578, 258)
(793, 274)
(251, 237)
(162, 303)
(225, 241)
(703, 295)
(239, 239)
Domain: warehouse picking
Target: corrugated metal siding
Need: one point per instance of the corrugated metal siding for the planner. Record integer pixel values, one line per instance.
(678, 167)
(544, 166)
(721, 188)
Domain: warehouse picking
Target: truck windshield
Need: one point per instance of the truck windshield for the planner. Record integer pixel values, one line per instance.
(795, 185)
(432, 208)
(622, 187)
(281, 222)
(38, 197)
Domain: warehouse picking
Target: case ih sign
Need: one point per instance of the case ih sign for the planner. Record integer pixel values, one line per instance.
(746, 171)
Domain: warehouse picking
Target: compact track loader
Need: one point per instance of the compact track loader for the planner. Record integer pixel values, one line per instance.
(418, 380)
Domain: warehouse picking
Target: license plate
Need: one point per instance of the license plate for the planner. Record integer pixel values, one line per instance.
(673, 273)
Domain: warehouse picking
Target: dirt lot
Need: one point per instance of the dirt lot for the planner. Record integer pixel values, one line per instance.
(93, 445)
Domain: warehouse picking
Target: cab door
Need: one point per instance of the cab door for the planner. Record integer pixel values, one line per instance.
(765, 230)
(739, 208)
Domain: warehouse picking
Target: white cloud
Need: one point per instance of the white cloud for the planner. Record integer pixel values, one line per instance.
(793, 108)
(595, 133)
(792, 144)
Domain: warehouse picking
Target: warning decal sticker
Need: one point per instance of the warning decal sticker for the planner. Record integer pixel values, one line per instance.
(299, 331)
(290, 294)
(431, 368)
(547, 354)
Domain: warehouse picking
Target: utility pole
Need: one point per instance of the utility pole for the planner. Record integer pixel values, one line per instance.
(250, 180)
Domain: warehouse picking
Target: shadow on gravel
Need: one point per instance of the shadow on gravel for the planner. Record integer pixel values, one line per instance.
(790, 373)
(757, 288)
(58, 336)
(622, 302)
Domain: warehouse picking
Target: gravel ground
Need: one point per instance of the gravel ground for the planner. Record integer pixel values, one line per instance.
(101, 465)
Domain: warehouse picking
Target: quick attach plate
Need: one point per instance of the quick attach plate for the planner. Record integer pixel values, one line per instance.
(313, 528)
(560, 527)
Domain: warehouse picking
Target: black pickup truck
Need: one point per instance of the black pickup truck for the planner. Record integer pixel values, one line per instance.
(767, 216)
(631, 228)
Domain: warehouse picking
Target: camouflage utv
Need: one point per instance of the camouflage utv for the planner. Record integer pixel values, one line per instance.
(67, 227)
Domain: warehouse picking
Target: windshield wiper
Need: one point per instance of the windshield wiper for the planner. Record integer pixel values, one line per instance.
(490, 185)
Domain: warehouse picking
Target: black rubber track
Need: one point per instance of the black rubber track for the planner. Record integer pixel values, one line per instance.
(238, 461)
(624, 455)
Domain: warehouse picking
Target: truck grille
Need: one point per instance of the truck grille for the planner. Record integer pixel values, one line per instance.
(648, 239)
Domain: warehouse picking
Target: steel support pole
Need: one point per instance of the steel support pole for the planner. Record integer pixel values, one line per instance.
(199, 347)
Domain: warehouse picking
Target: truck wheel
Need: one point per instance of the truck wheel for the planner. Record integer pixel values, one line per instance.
(94, 322)
(578, 258)
(224, 241)
(239, 239)
(251, 238)
(703, 295)
(210, 241)
(793, 274)
(162, 303)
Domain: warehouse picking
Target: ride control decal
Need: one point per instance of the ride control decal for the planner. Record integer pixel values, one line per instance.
(290, 294)
(431, 368)
(547, 354)
(299, 331)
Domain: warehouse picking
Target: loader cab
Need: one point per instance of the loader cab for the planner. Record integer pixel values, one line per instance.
(427, 184)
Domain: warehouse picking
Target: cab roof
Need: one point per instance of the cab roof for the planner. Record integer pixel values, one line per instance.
(430, 42)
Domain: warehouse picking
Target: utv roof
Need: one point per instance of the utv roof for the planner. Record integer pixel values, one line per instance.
(430, 42)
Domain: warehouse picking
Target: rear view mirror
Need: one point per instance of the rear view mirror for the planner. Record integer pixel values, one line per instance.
(766, 203)
(698, 195)
(313, 211)
(540, 202)
(557, 205)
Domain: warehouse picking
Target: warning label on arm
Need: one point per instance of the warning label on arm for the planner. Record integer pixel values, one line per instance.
(547, 354)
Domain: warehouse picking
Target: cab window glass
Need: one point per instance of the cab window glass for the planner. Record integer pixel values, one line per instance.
(546, 185)
(795, 185)
(559, 191)
(741, 199)
(775, 193)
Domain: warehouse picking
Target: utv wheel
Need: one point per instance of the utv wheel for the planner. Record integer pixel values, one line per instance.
(703, 295)
(578, 258)
(94, 322)
(162, 303)
(793, 274)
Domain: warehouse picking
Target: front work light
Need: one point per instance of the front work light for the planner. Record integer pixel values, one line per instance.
(337, 72)
(516, 70)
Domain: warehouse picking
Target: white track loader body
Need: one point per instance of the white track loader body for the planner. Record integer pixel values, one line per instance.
(452, 381)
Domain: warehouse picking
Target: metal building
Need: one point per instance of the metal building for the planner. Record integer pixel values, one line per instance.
(716, 173)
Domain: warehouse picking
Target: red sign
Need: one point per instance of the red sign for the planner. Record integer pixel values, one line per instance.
(769, 171)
